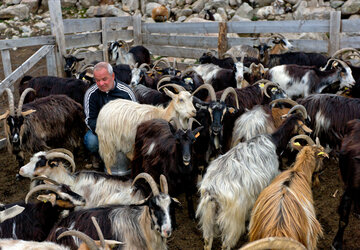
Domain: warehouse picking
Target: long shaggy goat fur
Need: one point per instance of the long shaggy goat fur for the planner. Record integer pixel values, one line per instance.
(285, 208)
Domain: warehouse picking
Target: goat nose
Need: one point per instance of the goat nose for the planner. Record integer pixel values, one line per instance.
(16, 138)
(186, 159)
(166, 233)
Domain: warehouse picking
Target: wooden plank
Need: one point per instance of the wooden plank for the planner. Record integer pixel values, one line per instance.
(222, 39)
(51, 63)
(175, 51)
(350, 42)
(182, 28)
(6, 61)
(318, 46)
(104, 39)
(187, 41)
(57, 30)
(81, 25)
(350, 25)
(137, 29)
(92, 56)
(290, 26)
(83, 40)
(28, 64)
(120, 35)
(334, 39)
(25, 42)
(117, 23)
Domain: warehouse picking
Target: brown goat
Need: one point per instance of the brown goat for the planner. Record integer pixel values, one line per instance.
(160, 14)
(285, 208)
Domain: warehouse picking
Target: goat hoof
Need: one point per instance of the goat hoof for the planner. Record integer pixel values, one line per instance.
(19, 177)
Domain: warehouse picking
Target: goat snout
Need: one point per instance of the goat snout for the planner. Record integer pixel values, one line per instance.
(216, 130)
(166, 231)
(186, 159)
(15, 138)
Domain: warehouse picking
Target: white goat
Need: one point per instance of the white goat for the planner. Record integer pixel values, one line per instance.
(118, 120)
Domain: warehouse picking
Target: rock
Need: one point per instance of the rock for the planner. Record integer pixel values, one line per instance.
(196, 19)
(235, 3)
(312, 13)
(356, 16)
(20, 11)
(350, 7)
(105, 11)
(40, 25)
(181, 19)
(245, 11)
(189, 61)
(336, 4)
(237, 18)
(262, 3)
(198, 6)
(88, 3)
(32, 5)
(184, 12)
(12, 2)
(130, 5)
(189, 1)
(180, 3)
(149, 7)
(222, 13)
(215, 4)
(68, 3)
(3, 27)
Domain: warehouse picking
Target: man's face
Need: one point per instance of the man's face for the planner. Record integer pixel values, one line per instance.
(104, 80)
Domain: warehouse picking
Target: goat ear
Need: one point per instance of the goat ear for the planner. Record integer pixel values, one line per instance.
(176, 203)
(28, 112)
(47, 197)
(231, 110)
(5, 115)
(53, 164)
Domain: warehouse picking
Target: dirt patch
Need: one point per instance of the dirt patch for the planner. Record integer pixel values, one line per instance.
(187, 235)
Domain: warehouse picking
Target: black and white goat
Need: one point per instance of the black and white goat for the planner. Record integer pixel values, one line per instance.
(145, 225)
(58, 121)
(119, 55)
(302, 81)
(233, 181)
(37, 219)
(161, 148)
(72, 62)
(51, 85)
(96, 188)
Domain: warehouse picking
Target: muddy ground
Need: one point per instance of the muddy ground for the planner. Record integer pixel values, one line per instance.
(187, 235)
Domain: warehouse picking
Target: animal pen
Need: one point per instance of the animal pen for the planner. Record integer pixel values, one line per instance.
(181, 40)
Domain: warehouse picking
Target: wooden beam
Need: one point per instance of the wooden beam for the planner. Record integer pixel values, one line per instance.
(184, 28)
(5, 55)
(28, 64)
(25, 42)
(222, 39)
(57, 30)
(334, 39)
(104, 39)
(51, 63)
(137, 29)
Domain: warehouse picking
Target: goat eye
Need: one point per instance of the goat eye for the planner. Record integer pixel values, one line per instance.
(181, 100)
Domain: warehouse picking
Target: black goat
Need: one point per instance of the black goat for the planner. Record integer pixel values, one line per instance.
(299, 58)
(349, 163)
(51, 85)
(162, 149)
(37, 219)
(58, 120)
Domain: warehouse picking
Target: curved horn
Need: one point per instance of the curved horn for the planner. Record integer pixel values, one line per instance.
(190, 69)
(231, 56)
(22, 97)
(274, 36)
(267, 83)
(99, 232)
(164, 60)
(175, 86)
(145, 65)
(227, 91)
(149, 180)
(85, 238)
(44, 178)
(190, 122)
(177, 122)
(343, 64)
(161, 80)
(343, 50)
(53, 155)
(11, 101)
(305, 137)
(38, 188)
(163, 184)
(289, 101)
(274, 243)
(210, 90)
(62, 150)
(299, 108)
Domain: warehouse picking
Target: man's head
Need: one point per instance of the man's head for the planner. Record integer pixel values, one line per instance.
(104, 76)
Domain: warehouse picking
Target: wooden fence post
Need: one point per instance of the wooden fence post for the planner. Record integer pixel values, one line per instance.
(51, 63)
(335, 29)
(5, 55)
(137, 29)
(57, 30)
(104, 39)
(222, 39)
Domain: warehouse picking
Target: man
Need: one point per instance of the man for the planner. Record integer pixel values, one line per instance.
(105, 90)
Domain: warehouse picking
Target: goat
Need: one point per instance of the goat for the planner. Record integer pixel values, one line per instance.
(72, 62)
(119, 55)
(96, 188)
(121, 118)
(51, 85)
(37, 219)
(327, 123)
(163, 149)
(233, 181)
(350, 172)
(145, 225)
(286, 208)
(58, 120)
(221, 78)
(298, 80)
(160, 14)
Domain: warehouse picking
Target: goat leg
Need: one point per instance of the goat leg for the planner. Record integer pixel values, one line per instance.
(190, 205)
(344, 212)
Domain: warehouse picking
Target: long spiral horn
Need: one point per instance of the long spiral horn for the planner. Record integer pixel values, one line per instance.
(210, 90)
(11, 101)
(305, 137)
(175, 86)
(230, 90)
(289, 101)
(164, 185)
(22, 97)
(53, 155)
(61, 150)
(38, 188)
(99, 232)
(149, 180)
(85, 238)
